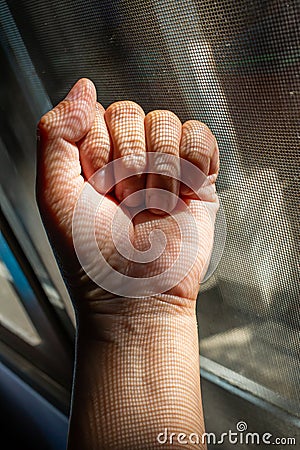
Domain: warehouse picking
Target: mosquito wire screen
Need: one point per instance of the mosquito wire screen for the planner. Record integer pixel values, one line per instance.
(235, 66)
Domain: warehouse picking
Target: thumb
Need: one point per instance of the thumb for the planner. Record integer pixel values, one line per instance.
(59, 179)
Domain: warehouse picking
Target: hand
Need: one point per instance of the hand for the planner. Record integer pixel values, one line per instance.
(77, 138)
(126, 362)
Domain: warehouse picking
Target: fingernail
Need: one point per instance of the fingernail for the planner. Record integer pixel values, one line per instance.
(103, 179)
(185, 190)
(161, 201)
(133, 199)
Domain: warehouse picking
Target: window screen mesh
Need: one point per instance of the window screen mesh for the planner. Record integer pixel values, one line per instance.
(235, 66)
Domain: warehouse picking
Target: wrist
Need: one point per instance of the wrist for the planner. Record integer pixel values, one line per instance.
(110, 319)
(140, 362)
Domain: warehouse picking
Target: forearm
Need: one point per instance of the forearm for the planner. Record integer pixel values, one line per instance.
(136, 374)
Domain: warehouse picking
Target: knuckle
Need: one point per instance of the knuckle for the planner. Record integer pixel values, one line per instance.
(167, 146)
(125, 121)
(124, 108)
(64, 120)
(134, 161)
(131, 144)
(197, 137)
(163, 130)
(160, 116)
(198, 128)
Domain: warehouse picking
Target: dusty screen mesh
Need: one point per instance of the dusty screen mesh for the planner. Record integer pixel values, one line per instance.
(235, 66)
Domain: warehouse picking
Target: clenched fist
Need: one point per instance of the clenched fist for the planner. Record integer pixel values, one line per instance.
(77, 138)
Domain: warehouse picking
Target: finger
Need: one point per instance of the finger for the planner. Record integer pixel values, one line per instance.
(214, 163)
(59, 179)
(198, 146)
(125, 121)
(163, 132)
(95, 152)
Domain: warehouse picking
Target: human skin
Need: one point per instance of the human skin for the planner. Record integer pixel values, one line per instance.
(137, 359)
